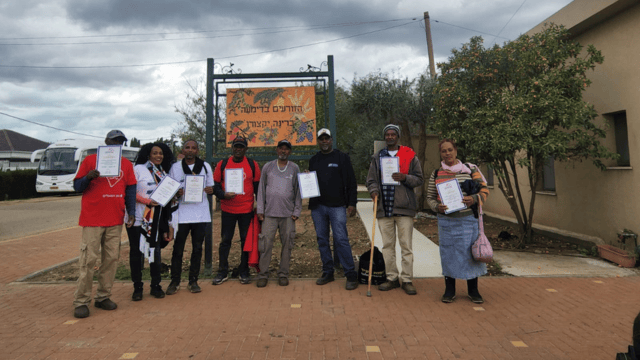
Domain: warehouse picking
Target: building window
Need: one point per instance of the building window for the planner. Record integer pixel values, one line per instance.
(548, 175)
(621, 137)
(489, 175)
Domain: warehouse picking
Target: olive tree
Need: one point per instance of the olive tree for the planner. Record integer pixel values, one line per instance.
(518, 105)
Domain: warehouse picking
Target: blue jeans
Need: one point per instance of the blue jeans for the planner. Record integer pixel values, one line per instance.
(323, 216)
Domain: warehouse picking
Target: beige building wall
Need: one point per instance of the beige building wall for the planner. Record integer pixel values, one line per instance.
(587, 202)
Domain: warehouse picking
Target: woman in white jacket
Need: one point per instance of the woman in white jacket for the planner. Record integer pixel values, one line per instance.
(151, 231)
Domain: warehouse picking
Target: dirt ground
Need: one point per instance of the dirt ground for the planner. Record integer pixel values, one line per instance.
(504, 237)
(305, 258)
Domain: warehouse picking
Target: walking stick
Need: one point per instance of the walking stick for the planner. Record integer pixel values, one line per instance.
(373, 235)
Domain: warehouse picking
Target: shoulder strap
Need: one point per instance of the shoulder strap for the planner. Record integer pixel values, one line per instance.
(222, 166)
(251, 162)
(252, 165)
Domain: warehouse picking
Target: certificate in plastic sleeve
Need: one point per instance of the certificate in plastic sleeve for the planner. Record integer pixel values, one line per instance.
(388, 166)
(165, 191)
(193, 189)
(234, 181)
(108, 160)
(451, 195)
(308, 184)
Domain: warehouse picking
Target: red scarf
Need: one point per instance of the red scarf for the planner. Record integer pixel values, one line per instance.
(405, 155)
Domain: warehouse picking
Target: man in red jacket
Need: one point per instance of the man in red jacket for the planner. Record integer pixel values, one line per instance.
(236, 208)
(101, 216)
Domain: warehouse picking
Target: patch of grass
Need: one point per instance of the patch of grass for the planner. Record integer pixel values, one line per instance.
(123, 272)
(363, 195)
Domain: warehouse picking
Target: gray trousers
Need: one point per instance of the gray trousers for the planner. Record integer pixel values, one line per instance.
(265, 244)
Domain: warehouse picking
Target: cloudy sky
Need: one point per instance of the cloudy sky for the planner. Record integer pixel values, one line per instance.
(91, 66)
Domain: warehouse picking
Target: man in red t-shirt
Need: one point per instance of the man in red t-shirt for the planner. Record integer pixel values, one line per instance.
(236, 208)
(102, 214)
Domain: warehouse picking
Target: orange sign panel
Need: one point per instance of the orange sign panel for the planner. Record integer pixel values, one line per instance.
(265, 116)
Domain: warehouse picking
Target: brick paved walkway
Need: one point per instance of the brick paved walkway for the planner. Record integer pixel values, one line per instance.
(523, 318)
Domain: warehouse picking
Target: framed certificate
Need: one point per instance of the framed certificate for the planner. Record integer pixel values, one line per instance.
(234, 181)
(108, 160)
(167, 188)
(451, 195)
(193, 189)
(308, 184)
(388, 166)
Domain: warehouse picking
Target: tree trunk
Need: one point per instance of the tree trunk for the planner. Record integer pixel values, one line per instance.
(422, 149)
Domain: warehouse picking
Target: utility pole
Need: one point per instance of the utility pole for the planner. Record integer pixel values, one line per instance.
(427, 30)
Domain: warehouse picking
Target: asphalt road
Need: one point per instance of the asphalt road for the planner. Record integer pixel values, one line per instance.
(20, 218)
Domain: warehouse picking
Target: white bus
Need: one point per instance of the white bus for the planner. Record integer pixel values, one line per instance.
(60, 161)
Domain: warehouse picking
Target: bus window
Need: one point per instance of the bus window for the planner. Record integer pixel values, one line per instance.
(58, 161)
(130, 155)
(86, 153)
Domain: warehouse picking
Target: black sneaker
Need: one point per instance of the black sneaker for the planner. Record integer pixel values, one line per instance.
(137, 294)
(106, 304)
(325, 279)
(262, 282)
(219, 279)
(447, 299)
(351, 285)
(81, 311)
(245, 279)
(283, 281)
(476, 299)
(193, 287)
(156, 291)
(173, 287)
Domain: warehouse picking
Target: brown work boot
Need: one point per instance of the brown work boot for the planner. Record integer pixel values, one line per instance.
(409, 288)
(389, 285)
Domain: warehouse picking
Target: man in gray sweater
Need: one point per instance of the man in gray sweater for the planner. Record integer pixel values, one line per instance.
(279, 206)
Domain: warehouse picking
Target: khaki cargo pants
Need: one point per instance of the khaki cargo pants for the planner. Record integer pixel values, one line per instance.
(97, 241)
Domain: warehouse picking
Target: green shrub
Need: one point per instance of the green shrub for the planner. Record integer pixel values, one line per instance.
(18, 184)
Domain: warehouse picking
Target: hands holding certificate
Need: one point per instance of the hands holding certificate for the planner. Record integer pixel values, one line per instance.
(451, 196)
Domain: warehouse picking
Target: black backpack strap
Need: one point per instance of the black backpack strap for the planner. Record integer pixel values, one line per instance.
(252, 165)
(222, 166)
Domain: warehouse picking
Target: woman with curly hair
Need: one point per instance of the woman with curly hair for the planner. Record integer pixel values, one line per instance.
(151, 230)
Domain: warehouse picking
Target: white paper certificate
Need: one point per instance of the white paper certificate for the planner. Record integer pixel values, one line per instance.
(451, 195)
(108, 161)
(234, 181)
(193, 188)
(308, 183)
(388, 166)
(167, 188)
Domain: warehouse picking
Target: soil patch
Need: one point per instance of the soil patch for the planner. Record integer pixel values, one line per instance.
(305, 257)
(504, 237)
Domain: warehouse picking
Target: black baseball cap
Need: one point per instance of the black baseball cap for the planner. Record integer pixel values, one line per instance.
(284, 142)
(239, 141)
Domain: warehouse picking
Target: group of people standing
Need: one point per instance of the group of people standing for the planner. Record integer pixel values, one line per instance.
(108, 202)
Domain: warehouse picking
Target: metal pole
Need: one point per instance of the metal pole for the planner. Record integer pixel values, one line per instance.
(427, 30)
(332, 101)
(208, 235)
(209, 115)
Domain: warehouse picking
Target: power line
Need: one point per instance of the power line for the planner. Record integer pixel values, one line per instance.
(310, 27)
(51, 127)
(505, 25)
(163, 40)
(224, 57)
(472, 30)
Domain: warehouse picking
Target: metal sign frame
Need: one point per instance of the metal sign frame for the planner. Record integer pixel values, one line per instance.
(215, 152)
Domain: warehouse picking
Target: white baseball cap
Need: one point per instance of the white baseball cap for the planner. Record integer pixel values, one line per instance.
(324, 131)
